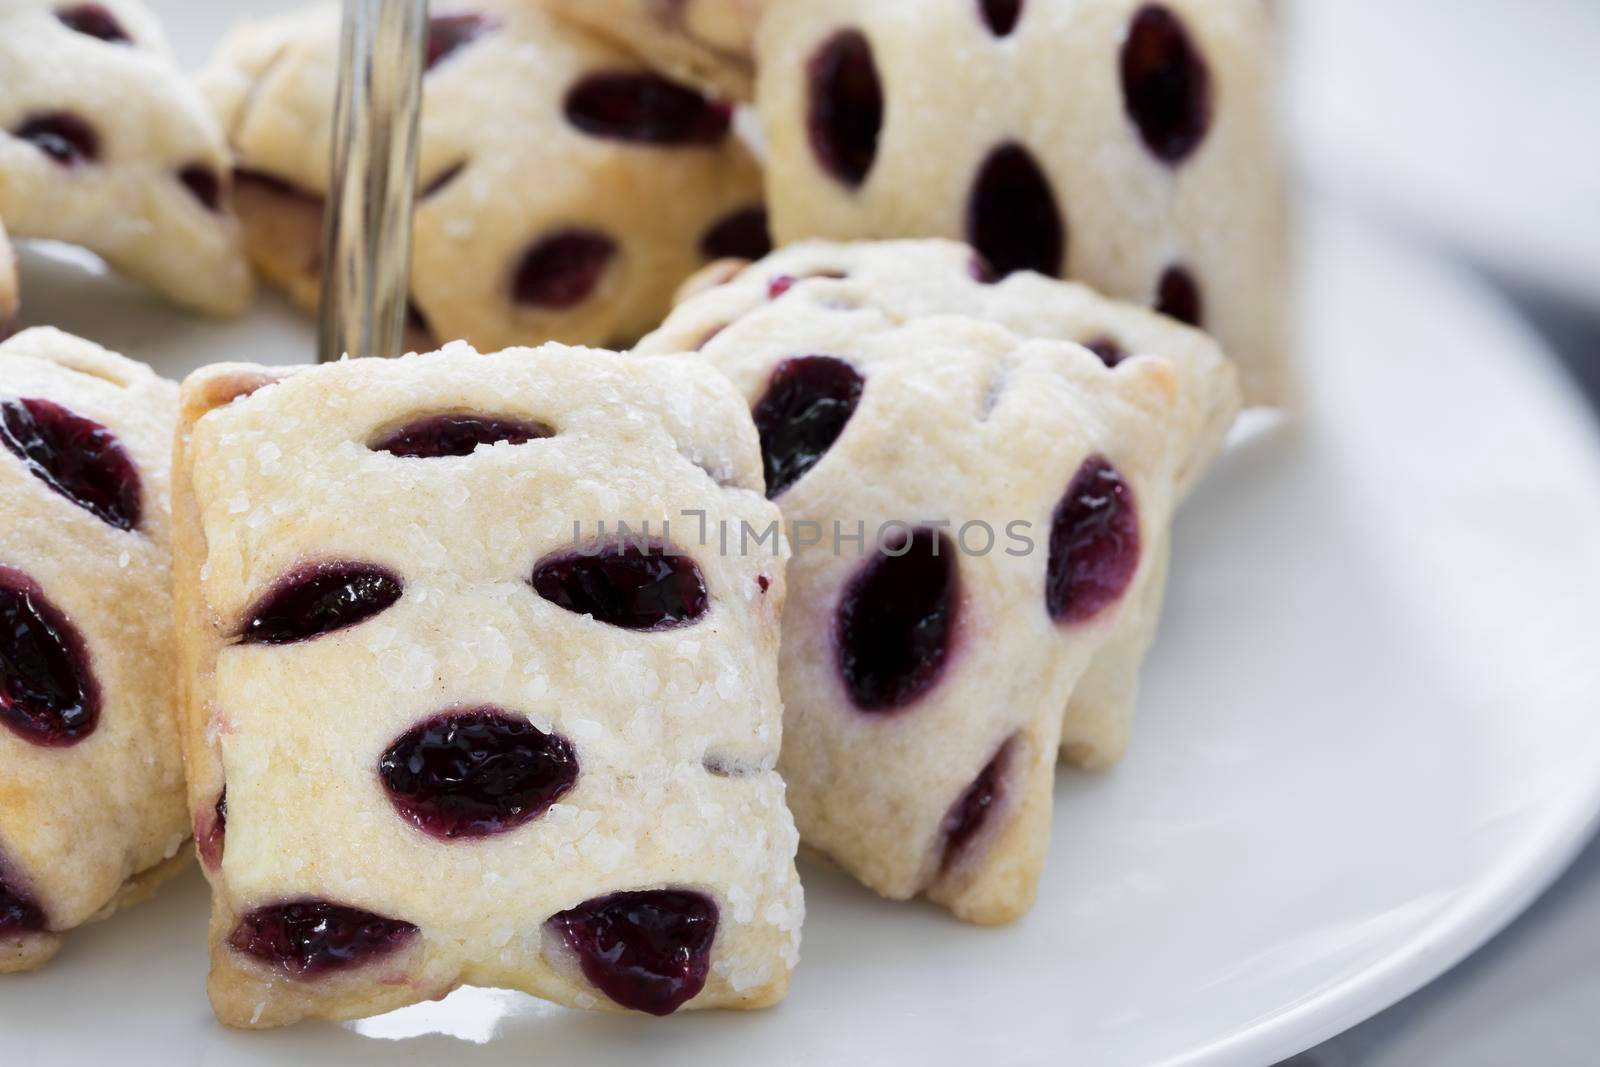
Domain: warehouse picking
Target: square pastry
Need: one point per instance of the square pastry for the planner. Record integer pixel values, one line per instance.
(104, 143)
(92, 815)
(564, 189)
(980, 512)
(446, 721)
(1126, 144)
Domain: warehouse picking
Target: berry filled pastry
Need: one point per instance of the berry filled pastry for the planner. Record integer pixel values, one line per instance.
(708, 43)
(92, 815)
(1124, 143)
(444, 728)
(1015, 498)
(563, 190)
(105, 144)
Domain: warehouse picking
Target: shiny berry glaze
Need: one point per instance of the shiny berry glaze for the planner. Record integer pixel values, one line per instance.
(440, 436)
(210, 832)
(1166, 85)
(782, 283)
(1110, 352)
(1011, 217)
(626, 586)
(203, 182)
(477, 772)
(649, 951)
(563, 269)
(742, 235)
(645, 109)
(19, 914)
(845, 107)
(449, 33)
(442, 179)
(77, 457)
(95, 21)
(47, 694)
(62, 136)
(1094, 544)
(307, 938)
(1001, 16)
(1178, 295)
(808, 403)
(318, 600)
(968, 815)
(897, 621)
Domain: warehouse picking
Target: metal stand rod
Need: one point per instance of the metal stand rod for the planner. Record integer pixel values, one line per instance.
(367, 232)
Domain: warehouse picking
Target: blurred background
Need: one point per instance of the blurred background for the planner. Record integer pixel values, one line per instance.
(1474, 126)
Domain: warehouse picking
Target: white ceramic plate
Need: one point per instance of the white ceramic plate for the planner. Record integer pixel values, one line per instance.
(1474, 120)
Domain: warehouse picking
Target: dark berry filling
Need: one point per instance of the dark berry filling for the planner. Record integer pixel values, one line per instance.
(563, 269)
(439, 436)
(1166, 85)
(308, 938)
(62, 136)
(897, 621)
(981, 270)
(95, 21)
(203, 182)
(1001, 16)
(442, 179)
(626, 586)
(649, 951)
(1178, 295)
(645, 109)
(76, 457)
(742, 235)
(19, 913)
(1011, 216)
(782, 283)
(1110, 352)
(318, 600)
(969, 814)
(808, 402)
(210, 832)
(845, 110)
(47, 694)
(476, 773)
(1094, 544)
(450, 33)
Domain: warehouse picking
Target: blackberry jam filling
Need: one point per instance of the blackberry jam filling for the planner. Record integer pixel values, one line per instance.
(626, 586)
(1094, 544)
(896, 622)
(649, 951)
(319, 600)
(47, 694)
(475, 773)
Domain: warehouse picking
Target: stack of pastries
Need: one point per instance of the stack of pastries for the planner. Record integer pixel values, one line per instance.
(531, 665)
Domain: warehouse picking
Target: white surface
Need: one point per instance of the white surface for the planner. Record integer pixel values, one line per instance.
(1530, 997)
(1367, 740)
(1474, 119)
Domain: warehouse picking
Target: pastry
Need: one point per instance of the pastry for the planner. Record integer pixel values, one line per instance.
(8, 286)
(980, 512)
(563, 190)
(105, 144)
(92, 813)
(708, 43)
(553, 762)
(1122, 143)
